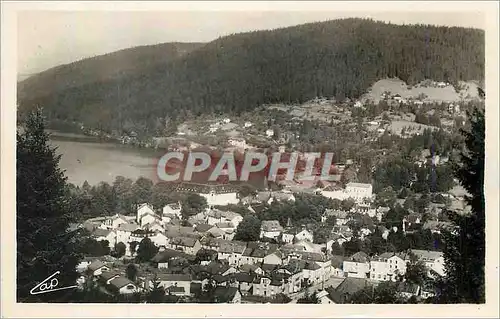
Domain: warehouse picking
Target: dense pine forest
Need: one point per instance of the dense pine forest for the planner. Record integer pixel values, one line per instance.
(236, 73)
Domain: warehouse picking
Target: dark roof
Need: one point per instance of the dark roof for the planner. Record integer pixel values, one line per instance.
(184, 241)
(347, 288)
(120, 282)
(243, 277)
(269, 267)
(96, 264)
(259, 249)
(360, 257)
(106, 275)
(203, 228)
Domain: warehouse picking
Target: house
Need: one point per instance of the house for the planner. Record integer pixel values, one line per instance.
(172, 210)
(256, 251)
(124, 231)
(159, 239)
(97, 267)
(250, 269)
(296, 234)
(164, 257)
(248, 124)
(188, 245)
(144, 209)
(105, 234)
(215, 216)
(107, 276)
(175, 284)
(123, 286)
(434, 260)
(114, 221)
(154, 226)
(274, 258)
(215, 194)
(244, 281)
(226, 120)
(267, 287)
(227, 295)
(148, 218)
(359, 191)
(270, 229)
(358, 265)
(408, 290)
(269, 132)
(347, 288)
(232, 251)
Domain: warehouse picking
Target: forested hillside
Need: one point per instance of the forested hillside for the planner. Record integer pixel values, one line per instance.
(103, 67)
(339, 58)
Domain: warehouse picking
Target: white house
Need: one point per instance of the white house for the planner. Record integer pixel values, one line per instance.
(226, 120)
(105, 234)
(148, 218)
(358, 265)
(172, 210)
(181, 281)
(248, 124)
(359, 191)
(323, 297)
(270, 229)
(123, 286)
(269, 132)
(97, 267)
(144, 209)
(297, 234)
(114, 221)
(220, 196)
(434, 260)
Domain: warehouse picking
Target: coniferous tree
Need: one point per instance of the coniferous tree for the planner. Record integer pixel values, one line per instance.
(465, 246)
(43, 244)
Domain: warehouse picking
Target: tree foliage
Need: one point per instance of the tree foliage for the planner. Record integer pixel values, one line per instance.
(43, 214)
(248, 229)
(465, 246)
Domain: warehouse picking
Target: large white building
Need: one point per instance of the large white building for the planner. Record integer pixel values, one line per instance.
(215, 194)
(357, 191)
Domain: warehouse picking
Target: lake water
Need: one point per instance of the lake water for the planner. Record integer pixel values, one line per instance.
(86, 159)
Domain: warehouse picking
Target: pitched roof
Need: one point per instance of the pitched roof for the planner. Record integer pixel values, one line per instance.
(312, 256)
(360, 257)
(335, 212)
(227, 246)
(259, 249)
(244, 277)
(271, 225)
(183, 241)
(120, 282)
(349, 287)
(224, 225)
(203, 228)
(106, 275)
(247, 268)
(96, 264)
